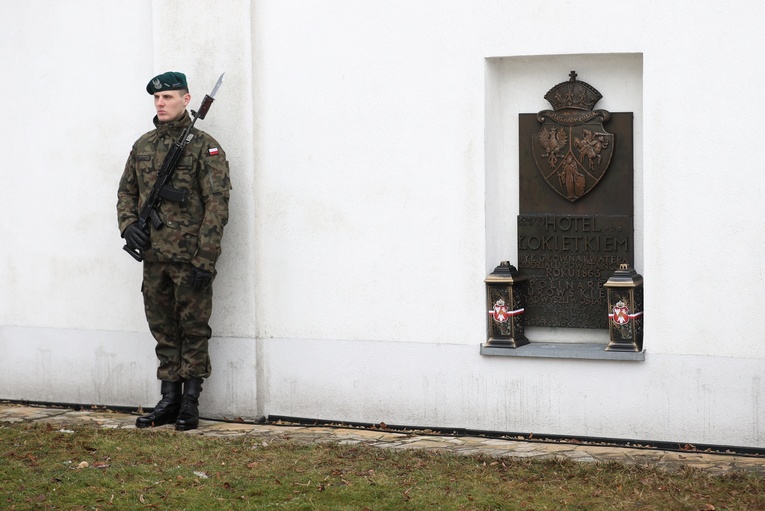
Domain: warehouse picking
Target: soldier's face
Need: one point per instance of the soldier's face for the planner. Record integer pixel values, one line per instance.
(170, 105)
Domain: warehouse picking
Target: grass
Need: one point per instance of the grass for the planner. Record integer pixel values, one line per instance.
(87, 468)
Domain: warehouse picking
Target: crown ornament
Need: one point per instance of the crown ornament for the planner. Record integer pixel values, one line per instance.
(573, 94)
(573, 102)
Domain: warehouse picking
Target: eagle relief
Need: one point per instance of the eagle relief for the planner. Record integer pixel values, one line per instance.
(573, 150)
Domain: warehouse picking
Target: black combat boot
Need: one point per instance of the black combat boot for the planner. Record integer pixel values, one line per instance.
(167, 409)
(188, 418)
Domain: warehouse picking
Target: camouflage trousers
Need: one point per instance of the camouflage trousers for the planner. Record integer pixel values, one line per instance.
(178, 319)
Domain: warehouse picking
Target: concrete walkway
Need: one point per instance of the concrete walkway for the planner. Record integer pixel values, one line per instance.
(714, 463)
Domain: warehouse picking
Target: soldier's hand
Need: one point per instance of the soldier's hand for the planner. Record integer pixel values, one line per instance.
(135, 237)
(200, 279)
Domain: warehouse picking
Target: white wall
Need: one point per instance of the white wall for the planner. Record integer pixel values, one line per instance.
(373, 204)
(365, 143)
(681, 398)
(69, 114)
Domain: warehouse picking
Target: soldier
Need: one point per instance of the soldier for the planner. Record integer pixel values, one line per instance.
(179, 258)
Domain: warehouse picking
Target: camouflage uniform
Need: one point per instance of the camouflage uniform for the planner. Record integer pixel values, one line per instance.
(177, 314)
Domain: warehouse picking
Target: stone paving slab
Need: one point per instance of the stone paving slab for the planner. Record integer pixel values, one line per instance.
(714, 463)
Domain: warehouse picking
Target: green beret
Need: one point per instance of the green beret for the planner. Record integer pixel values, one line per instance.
(172, 80)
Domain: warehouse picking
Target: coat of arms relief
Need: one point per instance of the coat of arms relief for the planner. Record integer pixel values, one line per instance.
(573, 150)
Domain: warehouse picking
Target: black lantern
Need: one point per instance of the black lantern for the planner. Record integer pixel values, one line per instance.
(625, 310)
(505, 298)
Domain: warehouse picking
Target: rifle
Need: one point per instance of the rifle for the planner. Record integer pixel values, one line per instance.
(162, 190)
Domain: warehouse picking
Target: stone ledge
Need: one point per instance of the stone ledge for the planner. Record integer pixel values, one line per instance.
(586, 351)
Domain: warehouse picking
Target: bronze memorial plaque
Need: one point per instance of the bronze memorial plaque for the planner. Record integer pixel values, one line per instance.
(575, 224)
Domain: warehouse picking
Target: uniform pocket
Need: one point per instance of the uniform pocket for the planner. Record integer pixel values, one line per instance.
(145, 173)
(188, 244)
(173, 243)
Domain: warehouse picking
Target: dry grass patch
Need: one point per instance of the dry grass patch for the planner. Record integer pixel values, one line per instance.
(88, 468)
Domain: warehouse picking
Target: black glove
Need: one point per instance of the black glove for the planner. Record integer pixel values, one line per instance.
(200, 279)
(135, 237)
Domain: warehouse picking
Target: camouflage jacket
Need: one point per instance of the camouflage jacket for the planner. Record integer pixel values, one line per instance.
(192, 230)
